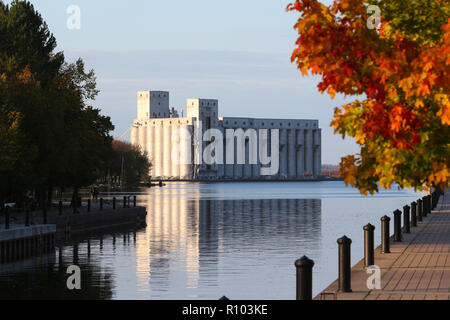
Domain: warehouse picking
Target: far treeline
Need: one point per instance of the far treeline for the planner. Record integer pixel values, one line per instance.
(50, 134)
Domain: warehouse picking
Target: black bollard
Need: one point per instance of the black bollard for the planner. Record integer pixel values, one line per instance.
(134, 201)
(406, 219)
(424, 207)
(419, 210)
(44, 213)
(101, 204)
(430, 203)
(114, 203)
(368, 245)
(74, 207)
(397, 225)
(344, 264)
(304, 278)
(124, 201)
(385, 234)
(432, 200)
(414, 214)
(6, 217)
(60, 207)
(89, 205)
(27, 216)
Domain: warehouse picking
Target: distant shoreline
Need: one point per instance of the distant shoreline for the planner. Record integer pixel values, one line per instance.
(243, 180)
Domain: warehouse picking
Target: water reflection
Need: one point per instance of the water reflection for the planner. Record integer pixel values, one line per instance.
(203, 241)
(200, 231)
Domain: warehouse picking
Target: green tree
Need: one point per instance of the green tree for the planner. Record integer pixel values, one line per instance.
(52, 134)
(135, 164)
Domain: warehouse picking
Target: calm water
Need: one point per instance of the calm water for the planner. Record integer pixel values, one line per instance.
(203, 241)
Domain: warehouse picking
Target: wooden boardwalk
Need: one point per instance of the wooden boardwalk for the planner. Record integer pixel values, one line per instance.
(418, 268)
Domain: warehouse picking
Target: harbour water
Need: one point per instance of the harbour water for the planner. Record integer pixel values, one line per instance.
(206, 240)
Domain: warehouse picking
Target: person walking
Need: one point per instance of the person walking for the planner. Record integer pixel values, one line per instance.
(96, 193)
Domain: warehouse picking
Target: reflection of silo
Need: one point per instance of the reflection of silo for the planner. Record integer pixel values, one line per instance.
(285, 220)
(208, 239)
(192, 245)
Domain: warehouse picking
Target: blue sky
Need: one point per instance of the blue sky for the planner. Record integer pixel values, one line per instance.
(237, 51)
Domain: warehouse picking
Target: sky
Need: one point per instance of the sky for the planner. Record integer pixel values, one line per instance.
(236, 51)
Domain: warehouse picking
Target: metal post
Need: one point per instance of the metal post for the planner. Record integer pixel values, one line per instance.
(344, 264)
(397, 225)
(419, 210)
(6, 217)
(89, 205)
(430, 203)
(44, 212)
(304, 267)
(124, 201)
(60, 207)
(385, 234)
(368, 245)
(406, 219)
(114, 203)
(414, 214)
(134, 201)
(432, 199)
(101, 204)
(424, 206)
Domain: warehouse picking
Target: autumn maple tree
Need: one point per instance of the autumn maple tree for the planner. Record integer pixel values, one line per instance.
(398, 72)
